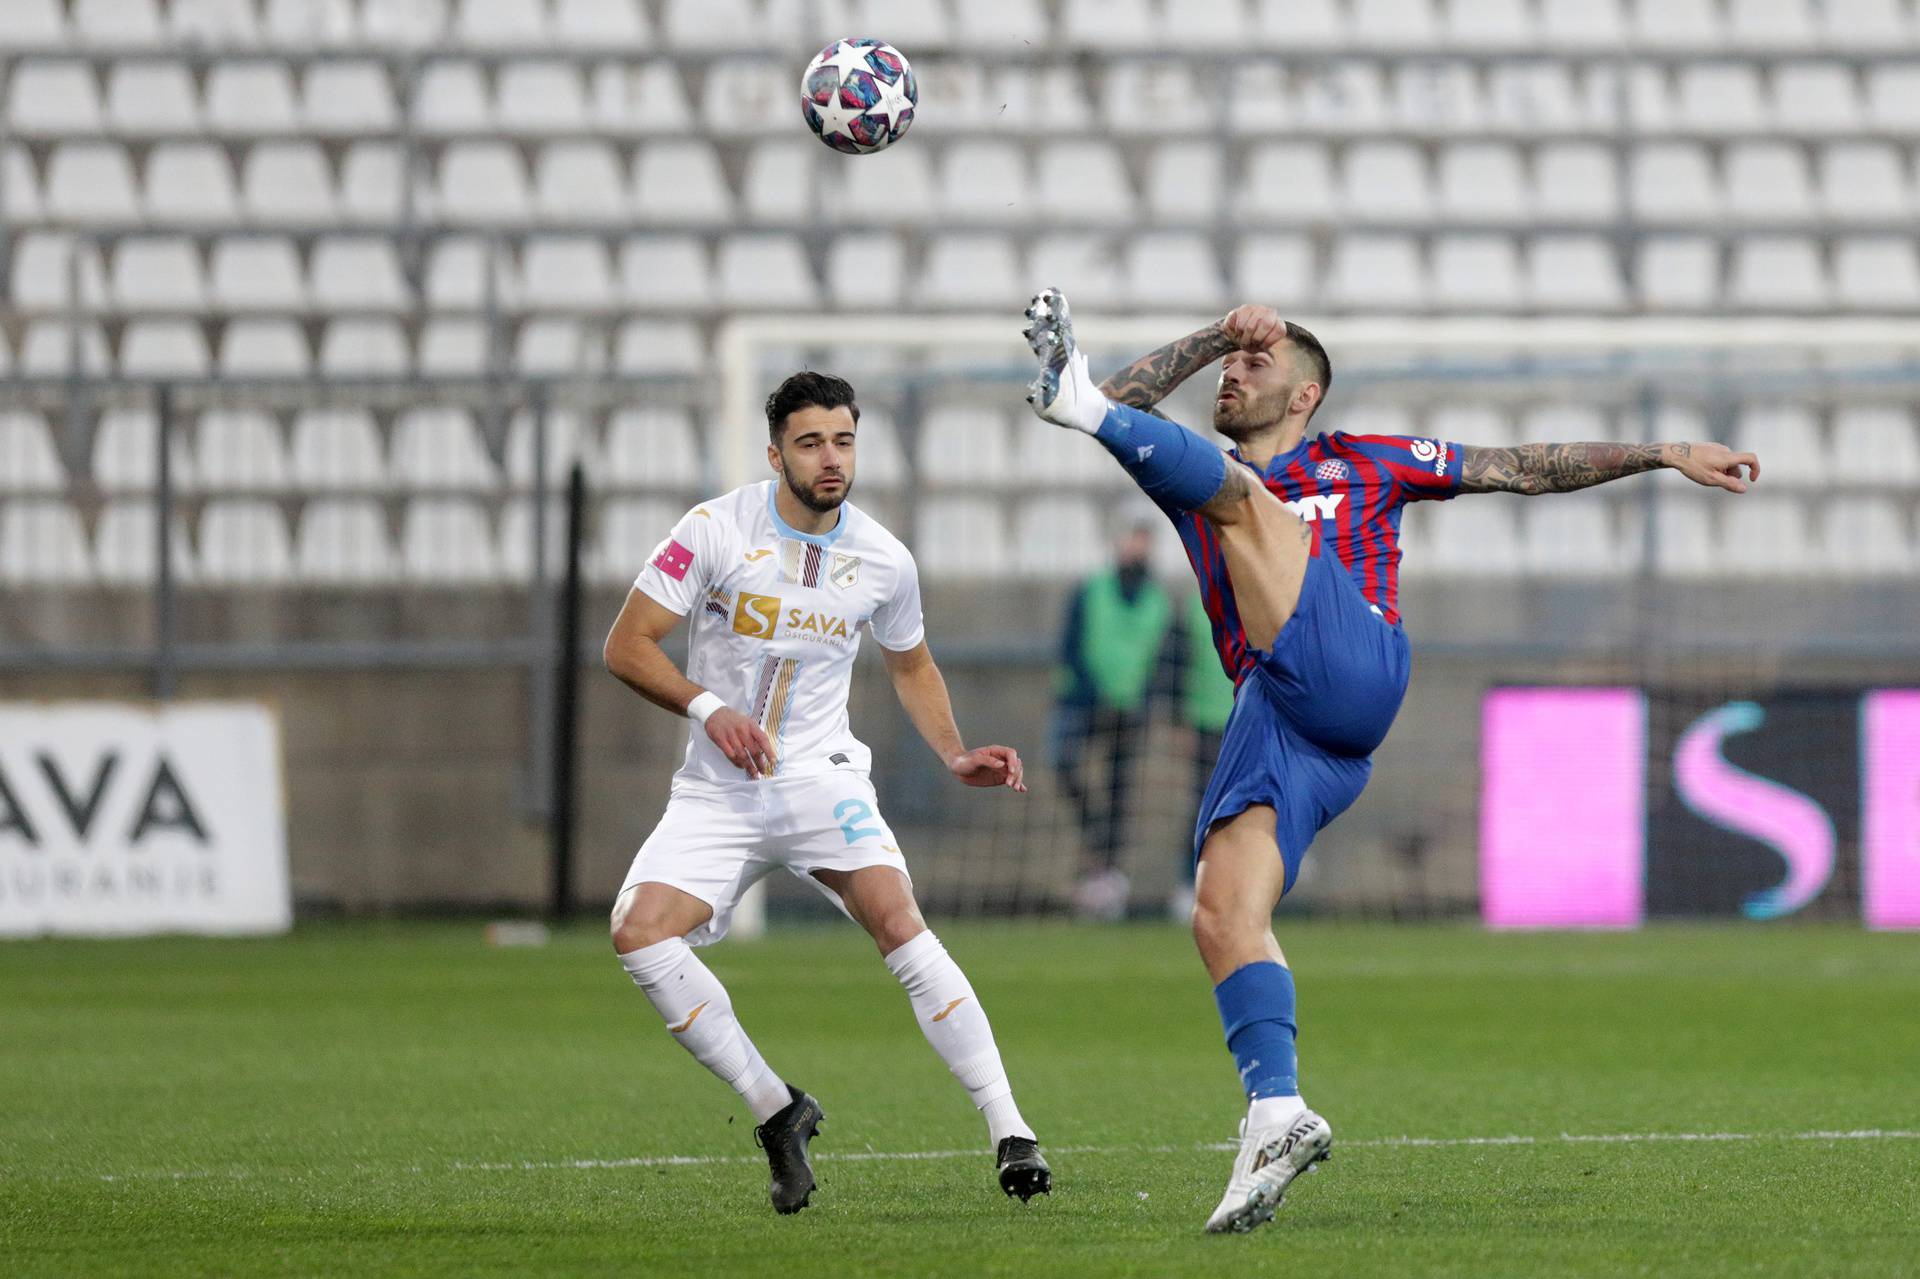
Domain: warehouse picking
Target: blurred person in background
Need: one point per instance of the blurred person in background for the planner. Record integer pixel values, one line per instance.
(1109, 647)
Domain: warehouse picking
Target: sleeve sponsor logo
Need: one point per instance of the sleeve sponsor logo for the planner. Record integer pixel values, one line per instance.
(1425, 450)
(674, 560)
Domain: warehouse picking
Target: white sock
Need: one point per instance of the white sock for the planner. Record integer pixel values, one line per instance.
(1265, 1112)
(699, 1014)
(954, 1023)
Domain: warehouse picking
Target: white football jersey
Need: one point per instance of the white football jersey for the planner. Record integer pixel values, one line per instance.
(775, 617)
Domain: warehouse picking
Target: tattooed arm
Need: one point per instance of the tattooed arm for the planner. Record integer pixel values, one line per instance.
(1561, 468)
(1152, 377)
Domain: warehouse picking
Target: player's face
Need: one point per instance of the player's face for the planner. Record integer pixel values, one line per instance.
(1254, 391)
(815, 456)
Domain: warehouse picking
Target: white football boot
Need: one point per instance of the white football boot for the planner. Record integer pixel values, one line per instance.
(1269, 1159)
(1064, 393)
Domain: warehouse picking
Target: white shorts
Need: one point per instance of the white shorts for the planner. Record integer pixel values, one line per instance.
(714, 842)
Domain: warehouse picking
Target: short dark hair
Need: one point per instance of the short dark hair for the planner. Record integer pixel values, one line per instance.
(803, 390)
(1317, 356)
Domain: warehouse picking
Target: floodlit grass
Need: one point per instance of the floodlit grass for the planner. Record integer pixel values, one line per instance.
(401, 1099)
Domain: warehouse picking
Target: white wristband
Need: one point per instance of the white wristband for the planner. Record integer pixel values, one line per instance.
(704, 705)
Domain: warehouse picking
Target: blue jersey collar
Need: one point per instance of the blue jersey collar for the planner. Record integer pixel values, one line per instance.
(827, 538)
(1280, 460)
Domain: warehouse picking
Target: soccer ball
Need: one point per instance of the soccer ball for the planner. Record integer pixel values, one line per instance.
(859, 95)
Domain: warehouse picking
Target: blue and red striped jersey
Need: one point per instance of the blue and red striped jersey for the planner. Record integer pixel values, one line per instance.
(1349, 489)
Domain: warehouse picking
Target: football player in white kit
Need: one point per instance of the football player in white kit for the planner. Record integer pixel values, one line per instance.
(778, 578)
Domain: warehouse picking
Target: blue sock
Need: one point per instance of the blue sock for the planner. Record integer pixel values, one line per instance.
(1171, 464)
(1256, 1008)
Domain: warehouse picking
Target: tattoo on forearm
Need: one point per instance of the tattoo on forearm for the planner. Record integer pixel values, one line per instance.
(1554, 468)
(1152, 377)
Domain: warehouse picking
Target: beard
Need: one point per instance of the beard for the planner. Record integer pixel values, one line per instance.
(811, 497)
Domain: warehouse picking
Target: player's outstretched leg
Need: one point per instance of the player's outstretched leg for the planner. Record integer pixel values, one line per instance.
(1240, 881)
(950, 1016)
(1172, 465)
(650, 924)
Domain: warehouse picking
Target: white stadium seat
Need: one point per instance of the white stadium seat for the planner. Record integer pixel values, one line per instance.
(244, 542)
(28, 461)
(512, 25)
(516, 539)
(579, 182)
(372, 182)
(598, 25)
(961, 538)
(1879, 274)
(1717, 97)
(125, 442)
(566, 273)
(962, 445)
(552, 345)
(1770, 24)
(337, 449)
(765, 271)
(405, 22)
(452, 98)
(905, 174)
(1476, 539)
(257, 273)
(34, 24)
(483, 182)
(57, 347)
(748, 98)
(867, 270)
(663, 348)
(1173, 269)
(1866, 24)
(1084, 183)
(1184, 183)
(1574, 273)
(1864, 182)
(1575, 182)
(1086, 266)
(1768, 182)
(1108, 24)
(881, 463)
(968, 271)
(19, 186)
(1875, 444)
(191, 183)
(652, 99)
(1867, 537)
(680, 183)
(1476, 424)
(1476, 272)
(446, 541)
(214, 24)
(1893, 97)
(251, 98)
(628, 531)
(151, 97)
(52, 271)
(569, 439)
(438, 447)
(1204, 24)
(1439, 98)
(1002, 24)
(1572, 536)
(1567, 424)
(1778, 272)
(778, 186)
(1058, 540)
(157, 274)
(1377, 272)
(301, 24)
(287, 183)
(1490, 24)
(241, 449)
(1787, 440)
(349, 98)
(1816, 97)
(364, 348)
(654, 447)
(1483, 182)
(1673, 182)
(1678, 273)
(985, 182)
(453, 347)
(666, 273)
(1387, 181)
(164, 348)
(357, 273)
(1157, 97)
(41, 541)
(125, 539)
(117, 23)
(264, 348)
(1582, 24)
(1766, 536)
(344, 542)
(1677, 24)
(1395, 23)
(91, 182)
(541, 97)
(1290, 182)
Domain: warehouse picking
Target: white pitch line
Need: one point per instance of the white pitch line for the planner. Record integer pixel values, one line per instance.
(891, 1156)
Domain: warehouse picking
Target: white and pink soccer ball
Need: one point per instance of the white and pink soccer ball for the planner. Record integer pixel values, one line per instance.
(859, 95)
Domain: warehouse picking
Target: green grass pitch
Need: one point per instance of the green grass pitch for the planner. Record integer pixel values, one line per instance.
(401, 1099)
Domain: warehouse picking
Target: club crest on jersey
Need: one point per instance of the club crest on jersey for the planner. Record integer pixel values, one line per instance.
(1331, 469)
(844, 571)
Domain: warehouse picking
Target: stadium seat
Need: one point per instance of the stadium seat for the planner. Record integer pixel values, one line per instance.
(337, 449)
(41, 541)
(191, 183)
(867, 270)
(1866, 537)
(1778, 272)
(509, 25)
(256, 273)
(213, 24)
(579, 182)
(446, 541)
(452, 347)
(1768, 182)
(1173, 269)
(438, 447)
(654, 447)
(1769, 24)
(343, 542)
(125, 539)
(1476, 272)
(117, 23)
(1787, 441)
(1766, 536)
(748, 98)
(1685, 25)
(305, 24)
(1483, 182)
(1541, 97)
(55, 347)
(1061, 458)
(680, 183)
(1893, 97)
(364, 348)
(628, 532)
(516, 539)
(663, 348)
(358, 273)
(600, 25)
(347, 98)
(1865, 24)
(551, 345)
(882, 465)
(541, 97)
(51, 99)
(1673, 182)
(1678, 273)
(244, 542)
(649, 99)
(1567, 424)
(1575, 182)
(34, 24)
(1184, 183)
(19, 186)
(985, 182)
(569, 439)
(1476, 539)
(1058, 539)
(1582, 24)
(413, 23)
(1157, 97)
(241, 449)
(483, 183)
(1816, 97)
(963, 445)
(1438, 98)
(1084, 183)
(287, 183)
(969, 270)
(1574, 273)
(1086, 266)
(1571, 536)
(1875, 444)
(451, 98)
(1287, 182)
(1864, 182)
(1001, 24)
(961, 538)
(570, 273)
(264, 348)
(904, 173)
(1375, 272)
(372, 183)
(1204, 24)
(666, 273)
(466, 272)
(1387, 181)
(1394, 24)
(1489, 24)
(164, 348)
(251, 98)
(151, 97)
(28, 461)
(1107, 25)
(91, 183)
(1880, 274)
(765, 271)
(1474, 424)
(51, 271)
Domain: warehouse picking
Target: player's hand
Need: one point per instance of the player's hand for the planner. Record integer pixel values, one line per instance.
(1254, 328)
(1714, 465)
(743, 742)
(989, 766)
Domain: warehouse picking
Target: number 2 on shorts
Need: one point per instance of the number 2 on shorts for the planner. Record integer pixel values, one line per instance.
(850, 813)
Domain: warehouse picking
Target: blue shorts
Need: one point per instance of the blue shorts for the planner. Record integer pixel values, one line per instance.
(1309, 715)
